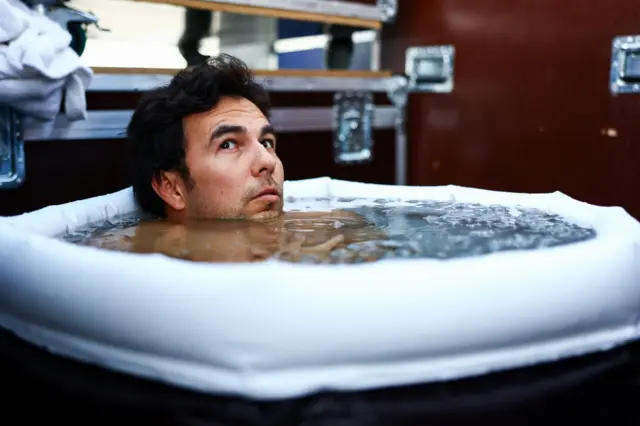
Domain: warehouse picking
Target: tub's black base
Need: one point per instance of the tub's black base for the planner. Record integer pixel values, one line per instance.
(598, 388)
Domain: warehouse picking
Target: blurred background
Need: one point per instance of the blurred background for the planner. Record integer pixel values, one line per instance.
(155, 29)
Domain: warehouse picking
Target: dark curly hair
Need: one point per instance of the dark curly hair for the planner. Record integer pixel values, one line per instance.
(156, 135)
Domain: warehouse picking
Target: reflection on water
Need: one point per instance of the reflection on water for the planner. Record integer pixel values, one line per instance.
(353, 231)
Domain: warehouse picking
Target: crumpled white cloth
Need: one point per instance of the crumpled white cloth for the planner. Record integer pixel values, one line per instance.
(37, 66)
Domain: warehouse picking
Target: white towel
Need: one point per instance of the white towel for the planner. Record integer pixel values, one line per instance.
(37, 66)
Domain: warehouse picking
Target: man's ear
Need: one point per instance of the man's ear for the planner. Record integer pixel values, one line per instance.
(168, 186)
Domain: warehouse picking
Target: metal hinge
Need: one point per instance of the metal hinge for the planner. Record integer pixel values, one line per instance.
(353, 124)
(12, 166)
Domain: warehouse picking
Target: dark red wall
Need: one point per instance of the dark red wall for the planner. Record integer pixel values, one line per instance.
(531, 109)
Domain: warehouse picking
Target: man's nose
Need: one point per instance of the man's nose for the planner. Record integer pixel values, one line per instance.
(264, 161)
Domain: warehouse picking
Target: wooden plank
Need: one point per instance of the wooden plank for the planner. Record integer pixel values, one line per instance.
(273, 12)
(303, 73)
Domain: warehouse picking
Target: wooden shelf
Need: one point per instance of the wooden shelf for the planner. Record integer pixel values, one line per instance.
(107, 79)
(302, 73)
(325, 11)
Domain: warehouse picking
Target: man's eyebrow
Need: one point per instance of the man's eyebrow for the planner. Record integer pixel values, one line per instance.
(226, 129)
(267, 130)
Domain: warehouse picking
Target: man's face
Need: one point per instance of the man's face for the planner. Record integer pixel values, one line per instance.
(234, 170)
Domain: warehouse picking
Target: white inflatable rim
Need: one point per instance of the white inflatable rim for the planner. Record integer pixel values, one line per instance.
(275, 330)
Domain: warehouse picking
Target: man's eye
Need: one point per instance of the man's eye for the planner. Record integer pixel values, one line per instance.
(228, 144)
(268, 143)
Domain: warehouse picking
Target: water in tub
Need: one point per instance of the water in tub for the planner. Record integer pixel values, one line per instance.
(342, 230)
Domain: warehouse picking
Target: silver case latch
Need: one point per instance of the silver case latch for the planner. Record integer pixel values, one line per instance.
(353, 124)
(625, 65)
(430, 68)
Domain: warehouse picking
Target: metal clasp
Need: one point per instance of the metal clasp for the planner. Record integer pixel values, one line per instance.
(353, 123)
(12, 166)
(430, 68)
(625, 65)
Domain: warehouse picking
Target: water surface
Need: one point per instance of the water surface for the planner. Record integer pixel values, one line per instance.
(353, 231)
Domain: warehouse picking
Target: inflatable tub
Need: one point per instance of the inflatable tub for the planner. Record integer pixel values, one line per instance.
(273, 330)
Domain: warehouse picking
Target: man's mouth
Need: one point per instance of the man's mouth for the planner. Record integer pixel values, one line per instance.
(268, 194)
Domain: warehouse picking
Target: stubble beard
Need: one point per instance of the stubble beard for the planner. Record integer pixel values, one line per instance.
(203, 211)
